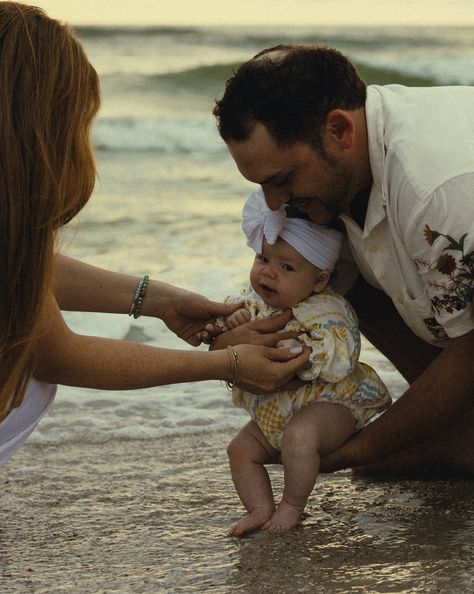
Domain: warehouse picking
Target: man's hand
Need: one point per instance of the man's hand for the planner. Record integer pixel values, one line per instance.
(344, 456)
(264, 332)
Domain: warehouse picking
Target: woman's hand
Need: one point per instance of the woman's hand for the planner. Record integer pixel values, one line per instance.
(185, 313)
(265, 333)
(263, 369)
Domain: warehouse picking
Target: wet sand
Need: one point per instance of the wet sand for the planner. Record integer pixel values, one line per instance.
(134, 517)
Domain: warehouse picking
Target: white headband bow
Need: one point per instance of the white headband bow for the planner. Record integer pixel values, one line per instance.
(319, 245)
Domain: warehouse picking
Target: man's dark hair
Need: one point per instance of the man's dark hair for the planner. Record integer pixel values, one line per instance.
(290, 89)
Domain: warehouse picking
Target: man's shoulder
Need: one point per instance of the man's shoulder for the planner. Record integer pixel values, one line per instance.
(427, 137)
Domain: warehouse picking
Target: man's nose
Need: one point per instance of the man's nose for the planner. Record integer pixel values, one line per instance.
(275, 197)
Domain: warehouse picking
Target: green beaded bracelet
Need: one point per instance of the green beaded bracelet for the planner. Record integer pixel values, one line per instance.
(139, 296)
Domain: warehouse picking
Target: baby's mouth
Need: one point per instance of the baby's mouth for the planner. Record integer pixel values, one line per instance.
(266, 288)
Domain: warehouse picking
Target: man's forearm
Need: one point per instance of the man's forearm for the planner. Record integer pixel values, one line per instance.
(443, 392)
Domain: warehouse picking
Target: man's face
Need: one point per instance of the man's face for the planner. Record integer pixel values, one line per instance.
(309, 179)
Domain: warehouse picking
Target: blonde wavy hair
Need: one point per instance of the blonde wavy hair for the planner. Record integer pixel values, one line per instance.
(48, 99)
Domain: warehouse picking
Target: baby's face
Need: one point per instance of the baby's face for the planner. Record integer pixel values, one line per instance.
(283, 278)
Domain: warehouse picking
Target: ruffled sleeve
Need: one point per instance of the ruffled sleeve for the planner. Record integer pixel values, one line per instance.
(331, 331)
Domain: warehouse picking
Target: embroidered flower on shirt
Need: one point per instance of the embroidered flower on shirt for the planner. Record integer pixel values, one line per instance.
(430, 235)
(446, 264)
(459, 268)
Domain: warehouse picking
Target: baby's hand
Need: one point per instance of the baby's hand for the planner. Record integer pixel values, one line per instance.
(288, 343)
(239, 317)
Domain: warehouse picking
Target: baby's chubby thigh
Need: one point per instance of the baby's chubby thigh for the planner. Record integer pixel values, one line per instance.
(250, 444)
(318, 427)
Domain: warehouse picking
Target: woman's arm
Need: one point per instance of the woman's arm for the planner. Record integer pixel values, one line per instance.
(68, 358)
(82, 287)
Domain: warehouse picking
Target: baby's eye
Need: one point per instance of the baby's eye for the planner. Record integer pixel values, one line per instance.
(261, 258)
(288, 267)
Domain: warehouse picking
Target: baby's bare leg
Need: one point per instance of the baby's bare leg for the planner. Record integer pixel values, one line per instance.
(313, 431)
(248, 452)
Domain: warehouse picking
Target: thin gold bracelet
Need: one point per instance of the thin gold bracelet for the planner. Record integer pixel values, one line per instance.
(234, 366)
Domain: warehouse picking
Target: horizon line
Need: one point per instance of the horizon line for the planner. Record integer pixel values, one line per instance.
(268, 26)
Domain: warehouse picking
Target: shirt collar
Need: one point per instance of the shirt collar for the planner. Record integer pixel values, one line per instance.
(375, 133)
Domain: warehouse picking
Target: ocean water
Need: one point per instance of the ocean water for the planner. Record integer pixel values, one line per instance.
(169, 197)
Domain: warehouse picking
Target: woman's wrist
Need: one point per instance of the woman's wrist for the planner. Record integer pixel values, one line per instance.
(205, 365)
(234, 363)
(140, 293)
(158, 298)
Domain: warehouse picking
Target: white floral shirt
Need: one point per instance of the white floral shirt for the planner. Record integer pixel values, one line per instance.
(417, 243)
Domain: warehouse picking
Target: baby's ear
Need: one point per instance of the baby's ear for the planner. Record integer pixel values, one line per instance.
(322, 280)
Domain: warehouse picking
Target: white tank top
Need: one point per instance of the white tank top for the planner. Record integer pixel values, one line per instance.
(21, 421)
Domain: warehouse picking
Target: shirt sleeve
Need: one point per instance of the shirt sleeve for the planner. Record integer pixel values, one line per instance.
(440, 239)
(334, 339)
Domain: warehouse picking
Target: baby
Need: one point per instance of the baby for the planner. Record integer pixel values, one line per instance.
(292, 267)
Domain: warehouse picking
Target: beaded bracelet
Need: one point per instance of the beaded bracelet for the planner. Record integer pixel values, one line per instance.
(234, 365)
(139, 296)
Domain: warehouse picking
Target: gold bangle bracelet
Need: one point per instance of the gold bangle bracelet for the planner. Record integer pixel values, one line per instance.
(234, 366)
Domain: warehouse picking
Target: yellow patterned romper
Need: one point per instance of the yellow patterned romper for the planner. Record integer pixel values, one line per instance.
(328, 325)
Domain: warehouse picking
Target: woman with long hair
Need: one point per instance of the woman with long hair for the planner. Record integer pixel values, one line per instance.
(49, 97)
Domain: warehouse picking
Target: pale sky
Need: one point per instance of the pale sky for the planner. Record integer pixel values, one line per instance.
(261, 12)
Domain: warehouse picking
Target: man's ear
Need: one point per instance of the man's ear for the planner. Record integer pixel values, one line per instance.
(321, 281)
(340, 129)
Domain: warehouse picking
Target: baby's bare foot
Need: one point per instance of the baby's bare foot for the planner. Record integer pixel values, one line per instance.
(254, 520)
(285, 518)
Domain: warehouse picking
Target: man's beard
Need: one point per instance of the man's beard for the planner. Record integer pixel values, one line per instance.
(337, 199)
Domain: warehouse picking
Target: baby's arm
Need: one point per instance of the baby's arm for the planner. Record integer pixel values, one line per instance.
(233, 320)
(237, 318)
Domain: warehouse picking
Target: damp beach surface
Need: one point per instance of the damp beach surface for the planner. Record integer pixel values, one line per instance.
(131, 517)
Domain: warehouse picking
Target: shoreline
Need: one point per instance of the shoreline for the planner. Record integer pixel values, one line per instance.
(131, 516)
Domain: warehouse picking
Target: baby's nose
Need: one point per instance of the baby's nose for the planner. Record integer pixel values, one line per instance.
(269, 271)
